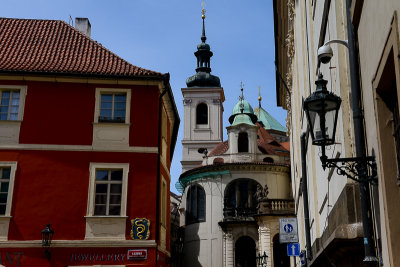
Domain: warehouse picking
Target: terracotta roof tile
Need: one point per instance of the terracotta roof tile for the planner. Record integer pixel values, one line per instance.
(53, 46)
(266, 143)
(220, 149)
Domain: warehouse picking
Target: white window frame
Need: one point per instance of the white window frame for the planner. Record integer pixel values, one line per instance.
(5, 219)
(22, 94)
(100, 91)
(13, 166)
(92, 187)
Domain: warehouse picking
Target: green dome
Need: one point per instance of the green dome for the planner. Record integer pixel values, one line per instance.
(247, 110)
(269, 122)
(242, 118)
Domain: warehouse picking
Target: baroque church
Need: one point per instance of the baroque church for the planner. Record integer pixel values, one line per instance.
(233, 191)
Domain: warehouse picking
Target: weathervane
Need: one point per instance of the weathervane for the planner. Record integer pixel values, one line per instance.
(241, 98)
(203, 11)
(259, 96)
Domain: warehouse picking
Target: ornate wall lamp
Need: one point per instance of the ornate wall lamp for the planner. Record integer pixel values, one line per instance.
(47, 237)
(321, 109)
(262, 260)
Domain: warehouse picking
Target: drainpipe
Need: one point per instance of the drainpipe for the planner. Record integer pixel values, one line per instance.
(304, 187)
(359, 135)
(166, 81)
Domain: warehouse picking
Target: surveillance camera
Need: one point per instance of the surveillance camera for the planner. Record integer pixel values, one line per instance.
(202, 150)
(325, 54)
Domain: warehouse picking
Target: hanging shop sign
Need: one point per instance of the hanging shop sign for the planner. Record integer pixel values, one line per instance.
(140, 229)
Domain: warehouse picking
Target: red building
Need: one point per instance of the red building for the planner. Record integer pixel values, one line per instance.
(86, 142)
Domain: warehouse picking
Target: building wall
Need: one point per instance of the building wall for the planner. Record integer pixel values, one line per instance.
(373, 40)
(201, 136)
(205, 242)
(53, 152)
(311, 24)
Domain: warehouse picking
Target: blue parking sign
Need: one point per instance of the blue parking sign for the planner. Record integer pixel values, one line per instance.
(293, 249)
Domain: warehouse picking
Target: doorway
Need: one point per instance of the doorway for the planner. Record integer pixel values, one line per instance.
(245, 252)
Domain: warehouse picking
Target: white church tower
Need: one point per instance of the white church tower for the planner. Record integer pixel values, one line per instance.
(203, 109)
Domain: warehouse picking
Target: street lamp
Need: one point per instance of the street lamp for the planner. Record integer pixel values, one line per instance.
(47, 237)
(321, 110)
(262, 260)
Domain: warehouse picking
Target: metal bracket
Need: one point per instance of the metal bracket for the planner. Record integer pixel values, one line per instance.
(359, 169)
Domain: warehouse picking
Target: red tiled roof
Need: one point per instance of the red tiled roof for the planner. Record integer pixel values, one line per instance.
(266, 142)
(53, 46)
(220, 149)
(286, 145)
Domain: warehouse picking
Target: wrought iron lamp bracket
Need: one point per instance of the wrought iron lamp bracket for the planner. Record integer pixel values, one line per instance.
(359, 169)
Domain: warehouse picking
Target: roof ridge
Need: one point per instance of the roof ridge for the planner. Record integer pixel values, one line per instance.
(105, 48)
(55, 46)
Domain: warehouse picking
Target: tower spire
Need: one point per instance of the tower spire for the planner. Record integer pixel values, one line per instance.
(203, 77)
(259, 96)
(241, 98)
(203, 16)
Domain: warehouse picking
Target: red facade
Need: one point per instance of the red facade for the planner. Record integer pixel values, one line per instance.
(55, 151)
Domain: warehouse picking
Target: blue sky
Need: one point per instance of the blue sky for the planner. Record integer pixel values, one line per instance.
(162, 35)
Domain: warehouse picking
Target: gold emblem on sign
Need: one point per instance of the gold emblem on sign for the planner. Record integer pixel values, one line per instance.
(140, 229)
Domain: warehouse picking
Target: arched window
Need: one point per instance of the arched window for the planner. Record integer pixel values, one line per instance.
(268, 160)
(218, 161)
(243, 142)
(240, 198)
(202, 114)
(195, 205)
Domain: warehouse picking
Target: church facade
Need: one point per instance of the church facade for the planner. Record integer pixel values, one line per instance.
(234, 191)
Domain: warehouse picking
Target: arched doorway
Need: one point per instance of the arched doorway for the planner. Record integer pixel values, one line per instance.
(281, 259)
(245, 252)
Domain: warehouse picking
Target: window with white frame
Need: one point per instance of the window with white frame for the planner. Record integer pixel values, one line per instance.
(12, 98)
(112, 107)
(108, 189)
(7, 174)
(9, 104)
(108, 192)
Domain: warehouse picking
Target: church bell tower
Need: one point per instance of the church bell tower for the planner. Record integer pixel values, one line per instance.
(203, 109)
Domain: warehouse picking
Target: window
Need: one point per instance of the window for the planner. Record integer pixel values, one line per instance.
(12, 99)
(106, 212)
(112, 107)
(108, 187)
(195, 205)
(9, 105)
(243, 142)
(202, 113)
(5, 173)
(108, 192)
(164, 202)
(268, 160)
(111, 125)
(240, 198)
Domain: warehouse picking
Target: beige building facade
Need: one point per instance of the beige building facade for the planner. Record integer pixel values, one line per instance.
(336, 225)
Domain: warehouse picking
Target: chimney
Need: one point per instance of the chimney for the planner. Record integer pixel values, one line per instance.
(83, 25)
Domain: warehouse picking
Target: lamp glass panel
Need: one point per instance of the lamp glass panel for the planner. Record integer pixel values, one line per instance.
(330, 125)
